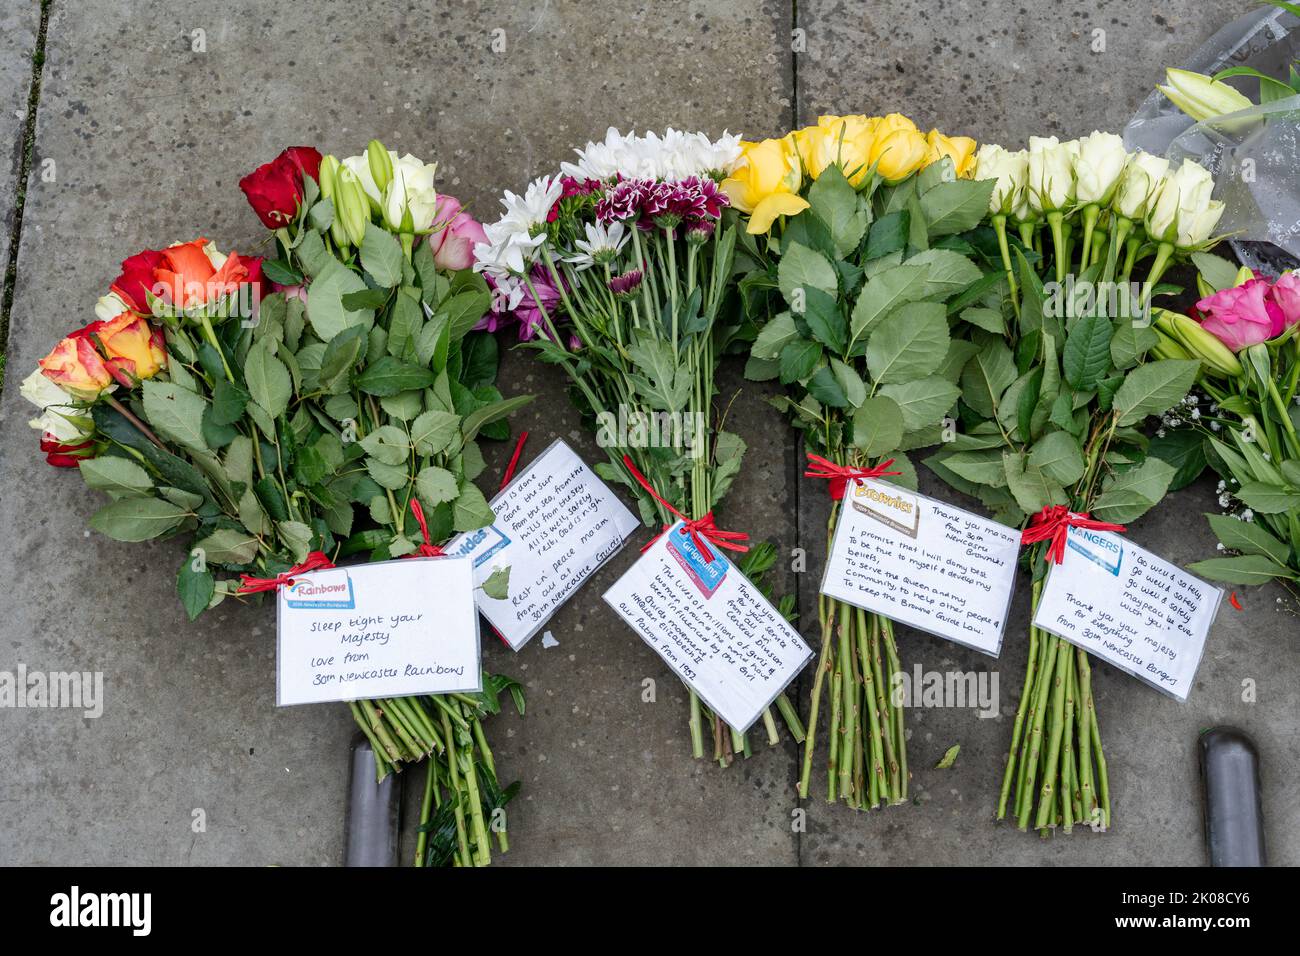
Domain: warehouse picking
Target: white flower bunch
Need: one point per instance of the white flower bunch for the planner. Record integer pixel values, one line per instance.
(513, 240)
(673, 156)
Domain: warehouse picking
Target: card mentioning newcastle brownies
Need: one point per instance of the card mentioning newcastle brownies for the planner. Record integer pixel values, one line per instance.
(556, 525)
(710, 625)
(1129, 607)
(923, 563)
(388, 629)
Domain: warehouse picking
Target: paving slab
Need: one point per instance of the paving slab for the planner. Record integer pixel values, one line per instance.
(151, 115)
(1001, 71)
(19, 24)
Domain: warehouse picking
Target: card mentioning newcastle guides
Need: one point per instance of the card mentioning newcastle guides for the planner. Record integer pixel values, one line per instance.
(556, 525)
(924, 563)
(389, 629)
(710, 625)
(1130, 608)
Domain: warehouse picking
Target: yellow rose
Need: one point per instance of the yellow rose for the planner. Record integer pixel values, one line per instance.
(899, 153)
(845, 140)
(960, 149)
(882, 126)
(766, 183)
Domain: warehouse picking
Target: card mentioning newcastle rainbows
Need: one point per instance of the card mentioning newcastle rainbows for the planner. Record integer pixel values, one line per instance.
(388, 629)
(711, 625)
(924, 563)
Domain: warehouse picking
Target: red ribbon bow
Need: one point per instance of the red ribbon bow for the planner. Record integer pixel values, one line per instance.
(428, 549)
(700, 529)
(316, 561)
(1053, 524)
(514, 461)
(840, 475)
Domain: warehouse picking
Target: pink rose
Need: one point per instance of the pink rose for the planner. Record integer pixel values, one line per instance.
(454, 235)
(1286, 294)
(1242, 316)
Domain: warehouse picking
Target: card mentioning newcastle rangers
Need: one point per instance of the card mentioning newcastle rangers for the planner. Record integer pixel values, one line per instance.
(923, 562)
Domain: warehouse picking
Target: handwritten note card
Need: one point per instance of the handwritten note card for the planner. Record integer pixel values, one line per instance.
(711, 626)
(556, 524)
(1130, 608)
(923, 563)
(389, 629)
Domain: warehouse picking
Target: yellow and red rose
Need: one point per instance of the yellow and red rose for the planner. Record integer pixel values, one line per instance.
(77, 367)
(132, 347)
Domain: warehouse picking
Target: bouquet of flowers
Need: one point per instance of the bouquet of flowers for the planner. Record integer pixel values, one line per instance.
(1067, 368)
(859, 248)
(618, 270)
(286, 412)
(1245, 331)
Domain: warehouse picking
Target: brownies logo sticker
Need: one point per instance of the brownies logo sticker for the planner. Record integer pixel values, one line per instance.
(890, 506)
(323, 591)
(1101, 549)
(707, 575)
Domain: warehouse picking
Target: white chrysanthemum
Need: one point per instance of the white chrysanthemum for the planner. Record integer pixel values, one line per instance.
(603, 244)
(672, 156)
(513, 239)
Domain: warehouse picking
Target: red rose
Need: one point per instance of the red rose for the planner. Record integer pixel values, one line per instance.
(274, 190)
(136, 278)
(66, 454)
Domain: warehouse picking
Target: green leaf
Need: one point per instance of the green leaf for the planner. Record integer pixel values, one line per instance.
(325, 310)
(392, 477)
(228, 546)
(956, 206)
(882, 294)
(877, 426)
(120, 477)
(471, 510)
(175, 413)
(1154, 388)
(950, 272)
(341, 356)
(801, 269)
(908, 344)
(1058, 455)
(381, 256)
(228, 401)
(433, 431)
(949, 757)
(986, 376)
(824, 387)
(1245, 569)
(923, 401)
(1086, 358)
(836, 203)
(464, 309)
(268, 380)
(388, 376)
(1217, 271)
(1268, 499)
(1185, 450)
(773, 336)
(434, 486)
(296, 537)
(1033, 490)
(194, 588)
(658, 378)
(855, 391)
(137, 519)
(1130, 343)
(983, 467)
(387, 443)
(1248, 538)
(497, 584)
(825, 321)
(1131, 494)
(798, 359)
(478, 419)
(990, 320)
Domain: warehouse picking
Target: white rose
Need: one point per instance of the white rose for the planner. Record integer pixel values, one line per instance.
(411, 191)
(53, 403)
(1011, 170)
(1051, 173)
(1138, 184)
(109, 306)
(1097, 169)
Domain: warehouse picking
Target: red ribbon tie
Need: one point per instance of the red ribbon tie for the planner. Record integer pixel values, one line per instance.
(428, 549)
(700, 529)
(1053, 524)
(316, 561)
(839, 476)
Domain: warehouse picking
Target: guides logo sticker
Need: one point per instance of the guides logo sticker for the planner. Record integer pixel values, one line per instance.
(890, 506)
(707, 575)
(1100, 549)
(479, 545)
(323, 591)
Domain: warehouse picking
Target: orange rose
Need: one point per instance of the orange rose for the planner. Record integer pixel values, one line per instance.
(190, 274)
(76, 367)
(133, 347)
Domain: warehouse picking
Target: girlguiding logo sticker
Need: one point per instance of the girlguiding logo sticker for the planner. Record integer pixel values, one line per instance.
(324, 590)
(707, 575)
(1100, 549)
